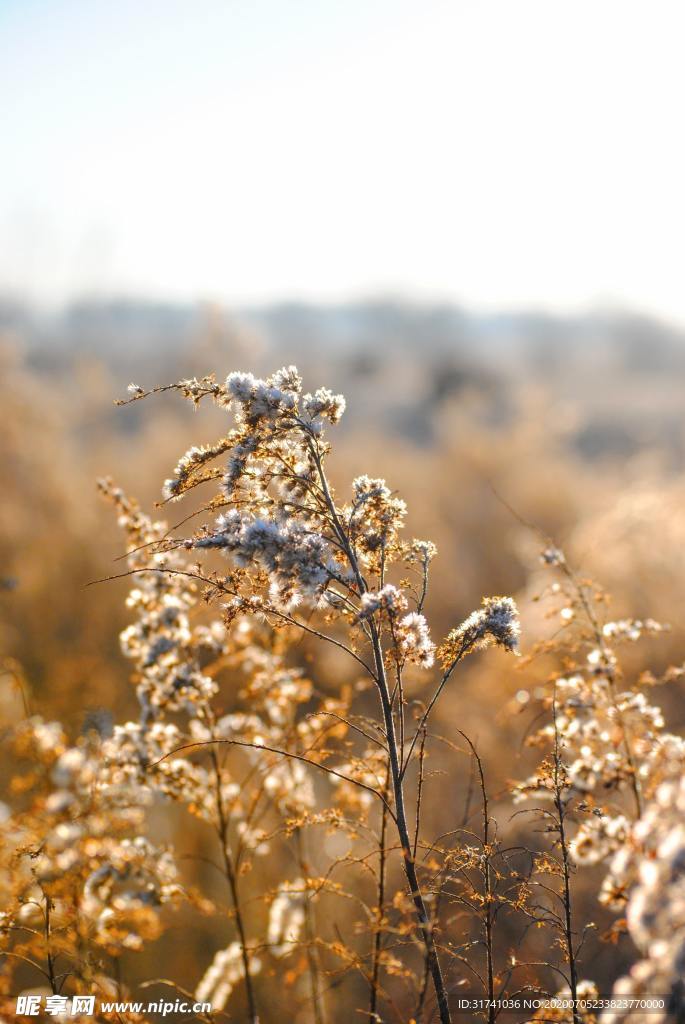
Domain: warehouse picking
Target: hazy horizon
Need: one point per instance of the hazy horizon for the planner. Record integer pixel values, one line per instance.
(491, 155)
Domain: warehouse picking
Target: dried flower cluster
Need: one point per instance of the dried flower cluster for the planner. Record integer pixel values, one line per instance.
(311, 800)
(615, 774)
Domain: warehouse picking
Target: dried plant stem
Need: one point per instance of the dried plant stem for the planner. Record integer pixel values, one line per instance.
(486, 871)
(232, 880)
(310, 933)
(487, 889)
(419, 792)
(566, 869)
(396, 770)
(274, 750)
(380, 910)
(50, 960)
(436, 909)
(420, 729)
(402, 830)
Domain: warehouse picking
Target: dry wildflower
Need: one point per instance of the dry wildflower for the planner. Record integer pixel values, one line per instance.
(291, 545)
(496, 622)
(616, 754)
(414, 640)
(655, 912)
(283, 772)
(388, 599)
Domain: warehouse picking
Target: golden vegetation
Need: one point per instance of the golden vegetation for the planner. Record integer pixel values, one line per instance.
(311, 797)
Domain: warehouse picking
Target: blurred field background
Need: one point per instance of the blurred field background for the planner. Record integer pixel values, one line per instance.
(573, 426)
(514, 384)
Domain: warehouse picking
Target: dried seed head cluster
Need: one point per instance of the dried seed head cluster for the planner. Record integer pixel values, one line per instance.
(288, 544)
(496, 622)
(614, 771)
(72, 833)
(312, 794)
(655, 859)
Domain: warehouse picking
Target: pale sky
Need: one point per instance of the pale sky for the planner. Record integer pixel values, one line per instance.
(492, 152)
